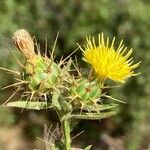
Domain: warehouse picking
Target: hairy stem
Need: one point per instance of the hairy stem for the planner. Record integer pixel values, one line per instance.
(66, 131)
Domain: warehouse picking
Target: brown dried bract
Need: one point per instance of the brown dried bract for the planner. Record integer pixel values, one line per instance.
(24, 43)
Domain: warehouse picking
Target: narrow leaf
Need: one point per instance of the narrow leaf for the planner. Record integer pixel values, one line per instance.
(88, 147)
(55, 98)
(65, 105)
(99, 107)
(29, 105)
(94, 116)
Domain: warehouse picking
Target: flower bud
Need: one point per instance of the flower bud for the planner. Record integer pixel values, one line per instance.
(24, 43)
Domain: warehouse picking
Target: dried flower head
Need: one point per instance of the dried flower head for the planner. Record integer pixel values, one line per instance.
(107, 61)
(24, 43)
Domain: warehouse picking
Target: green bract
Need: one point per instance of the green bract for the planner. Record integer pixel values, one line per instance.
(41, 73)
(84, 91)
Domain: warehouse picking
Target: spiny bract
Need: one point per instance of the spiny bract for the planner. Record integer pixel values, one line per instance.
(41, 73)
(83, 91)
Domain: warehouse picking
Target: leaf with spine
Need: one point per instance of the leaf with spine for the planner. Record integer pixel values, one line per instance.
(94, 116)
(29, 105)
(88, 147)
(99, 107)
(55, 148)
(55, 99)
(65, 105)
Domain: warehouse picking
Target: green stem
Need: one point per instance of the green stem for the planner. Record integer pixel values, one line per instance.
(66, 131)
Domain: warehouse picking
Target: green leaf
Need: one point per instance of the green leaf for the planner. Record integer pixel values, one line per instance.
(99, 107)
(65, 105)
(88, 147)
(94, 116)
(55, 148)
(29, 105)
(55, 98)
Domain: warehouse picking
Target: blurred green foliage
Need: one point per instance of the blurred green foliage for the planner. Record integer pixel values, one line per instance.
(74, 19)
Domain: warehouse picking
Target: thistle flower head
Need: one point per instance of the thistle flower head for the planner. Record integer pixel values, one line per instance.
(107, 61)
(24, 43)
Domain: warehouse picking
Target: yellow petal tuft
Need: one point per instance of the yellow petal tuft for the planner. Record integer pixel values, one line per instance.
(108, 62)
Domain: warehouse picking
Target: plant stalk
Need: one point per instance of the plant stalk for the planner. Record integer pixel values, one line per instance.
(66, 131)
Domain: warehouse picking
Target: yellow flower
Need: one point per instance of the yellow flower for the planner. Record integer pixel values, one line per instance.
(107, 61)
